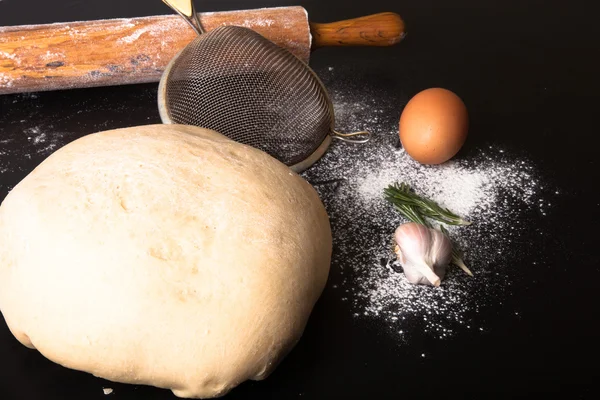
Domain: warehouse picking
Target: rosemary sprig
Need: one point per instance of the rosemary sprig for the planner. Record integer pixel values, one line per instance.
(416, 208)
(412, 214)
(402, 195)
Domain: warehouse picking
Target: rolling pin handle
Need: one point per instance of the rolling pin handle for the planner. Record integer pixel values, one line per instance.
(383, 29)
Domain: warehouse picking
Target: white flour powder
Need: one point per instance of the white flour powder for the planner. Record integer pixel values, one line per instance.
(44, 140)
(487, 187)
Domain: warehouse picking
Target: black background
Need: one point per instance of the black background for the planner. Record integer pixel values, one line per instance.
(528, 72)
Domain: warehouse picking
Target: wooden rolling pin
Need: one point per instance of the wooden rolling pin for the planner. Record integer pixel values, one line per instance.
(136, 50)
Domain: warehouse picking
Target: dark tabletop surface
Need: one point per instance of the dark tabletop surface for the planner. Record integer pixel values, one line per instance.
(528, 71)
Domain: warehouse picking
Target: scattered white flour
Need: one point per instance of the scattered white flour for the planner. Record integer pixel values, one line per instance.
(487, 187)
(257, 22)
(10, 56)
(35, 142)
(43, 139)
(6, 80)
(156, 29)
(53, 55)
(134, 36)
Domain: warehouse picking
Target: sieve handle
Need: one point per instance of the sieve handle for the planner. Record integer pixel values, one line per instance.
(383, 29)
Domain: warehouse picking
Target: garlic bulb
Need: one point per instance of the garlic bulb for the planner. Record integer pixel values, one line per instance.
(423, 252)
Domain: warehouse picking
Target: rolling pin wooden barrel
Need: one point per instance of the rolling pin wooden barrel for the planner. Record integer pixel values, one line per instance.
(137, 50)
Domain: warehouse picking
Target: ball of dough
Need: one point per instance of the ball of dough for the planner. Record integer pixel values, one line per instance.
(165, 255)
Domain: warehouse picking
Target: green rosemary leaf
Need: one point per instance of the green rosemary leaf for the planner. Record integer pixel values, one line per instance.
(402, 194)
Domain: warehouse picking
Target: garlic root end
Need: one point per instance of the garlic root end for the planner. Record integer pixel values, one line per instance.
(429, 274)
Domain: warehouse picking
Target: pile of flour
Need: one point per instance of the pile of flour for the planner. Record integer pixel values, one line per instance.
(488, 187)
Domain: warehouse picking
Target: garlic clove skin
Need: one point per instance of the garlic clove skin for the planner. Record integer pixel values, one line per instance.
(413, 242)
(423, 252)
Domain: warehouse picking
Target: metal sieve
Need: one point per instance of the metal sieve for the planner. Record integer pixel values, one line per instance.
(240, 84)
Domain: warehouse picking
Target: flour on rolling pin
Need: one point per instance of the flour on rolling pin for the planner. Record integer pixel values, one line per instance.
(125, 51)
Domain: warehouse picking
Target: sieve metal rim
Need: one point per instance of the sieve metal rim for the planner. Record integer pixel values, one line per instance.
(165, 117)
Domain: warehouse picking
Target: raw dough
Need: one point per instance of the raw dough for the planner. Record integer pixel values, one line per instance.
(165, 255)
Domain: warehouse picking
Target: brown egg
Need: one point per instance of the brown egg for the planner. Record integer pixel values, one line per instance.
(434, 126)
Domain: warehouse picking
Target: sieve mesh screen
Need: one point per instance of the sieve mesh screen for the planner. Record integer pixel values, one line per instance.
(236, 82)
